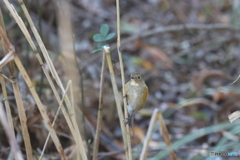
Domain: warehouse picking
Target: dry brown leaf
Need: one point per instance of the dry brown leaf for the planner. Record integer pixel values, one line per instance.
(147, 64)
(138, 135)
(199, 79)
(155, 54)
(151, 54)
(218, 96)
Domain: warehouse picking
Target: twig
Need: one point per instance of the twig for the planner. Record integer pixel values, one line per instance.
(165, 29)
(127, 145)
(100, 107)
(175, 28)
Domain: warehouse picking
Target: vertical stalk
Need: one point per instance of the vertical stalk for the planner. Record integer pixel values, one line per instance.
(100, 106)
(166, 135)
(148, 136)
(116, 95)
(128, 144)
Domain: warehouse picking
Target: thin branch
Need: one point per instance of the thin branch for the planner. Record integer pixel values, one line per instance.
(175, 28)
(165, 29)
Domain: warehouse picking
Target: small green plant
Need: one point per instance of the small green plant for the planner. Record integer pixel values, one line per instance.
(102, 37)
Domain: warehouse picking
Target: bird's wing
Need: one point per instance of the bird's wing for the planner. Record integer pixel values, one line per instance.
(146, 93)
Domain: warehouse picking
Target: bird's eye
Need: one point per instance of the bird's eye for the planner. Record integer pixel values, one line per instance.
(138, 77)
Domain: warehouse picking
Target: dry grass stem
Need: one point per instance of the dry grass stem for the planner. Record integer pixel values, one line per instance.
(3, 85)
(40, 107)
(54, 120)
(45, 54)
(128, 144)
(23, 119)
(21, 111)
(81, 148)
(100, 107)
(50, 65)
(80, 144)
(71, 71)
(165, 135)
(28, 81)
(156, 115)
(6, 59)
(6, 102)
(4, 90)
(10, 134)
(116, 95)
(65, 113)
(39, 41)
(234, 116)
(148, 136)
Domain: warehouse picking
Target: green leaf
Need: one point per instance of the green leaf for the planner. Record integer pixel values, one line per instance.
(110, 36)
(200, 115)
(104, 30)
(96, 50)
(98, 38)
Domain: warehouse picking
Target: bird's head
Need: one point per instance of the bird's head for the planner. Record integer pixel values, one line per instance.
(136, 79)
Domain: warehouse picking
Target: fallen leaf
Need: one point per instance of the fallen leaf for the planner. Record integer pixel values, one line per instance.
(151, 54)
(199, 79)
(138, 135)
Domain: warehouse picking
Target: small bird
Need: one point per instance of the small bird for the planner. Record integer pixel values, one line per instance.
(136, 95)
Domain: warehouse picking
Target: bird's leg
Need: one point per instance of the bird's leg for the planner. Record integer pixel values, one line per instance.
(130, 119)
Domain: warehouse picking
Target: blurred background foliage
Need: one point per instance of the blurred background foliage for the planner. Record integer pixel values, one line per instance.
(188, 69)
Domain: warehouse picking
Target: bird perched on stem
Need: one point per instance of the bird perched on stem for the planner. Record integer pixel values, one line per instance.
(136, 95)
